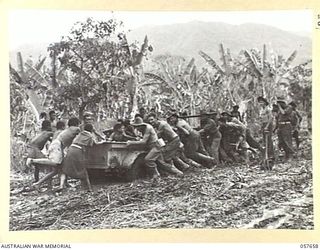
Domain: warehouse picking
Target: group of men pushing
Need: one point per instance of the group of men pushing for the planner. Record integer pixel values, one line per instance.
(219, 140)
(172, 144)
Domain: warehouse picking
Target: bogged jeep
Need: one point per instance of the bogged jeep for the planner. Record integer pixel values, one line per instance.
(116, 159)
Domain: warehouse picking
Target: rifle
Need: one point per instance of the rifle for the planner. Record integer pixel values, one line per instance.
(194, 116)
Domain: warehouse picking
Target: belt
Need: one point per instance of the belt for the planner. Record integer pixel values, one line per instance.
(76, 146)
(175, 138)
(284, 123)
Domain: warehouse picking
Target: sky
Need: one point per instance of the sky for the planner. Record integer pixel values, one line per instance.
(40, 26)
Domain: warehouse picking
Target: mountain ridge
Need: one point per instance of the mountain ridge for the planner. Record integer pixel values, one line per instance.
(187, 39)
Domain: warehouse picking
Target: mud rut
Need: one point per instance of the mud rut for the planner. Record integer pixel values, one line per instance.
(234, 197)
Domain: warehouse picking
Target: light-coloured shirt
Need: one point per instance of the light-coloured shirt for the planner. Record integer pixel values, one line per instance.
(165, 131)
(265, 115)
(183, 124)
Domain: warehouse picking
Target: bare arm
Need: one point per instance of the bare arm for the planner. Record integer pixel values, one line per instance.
(270, 119)
(144, 139)
(185, 131)
(129, 137)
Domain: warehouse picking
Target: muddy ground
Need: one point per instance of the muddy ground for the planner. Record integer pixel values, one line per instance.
(235, 196)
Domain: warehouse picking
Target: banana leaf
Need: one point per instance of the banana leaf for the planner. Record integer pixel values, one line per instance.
(193, 75)
(35, 75)
(211, 62)
(20, 63)
(15, 74)
(224, 60)
(155, 77)
(264, 56)
(54, 69)
(187, 71)
(291, 58)
(40, 64)
(251, 64)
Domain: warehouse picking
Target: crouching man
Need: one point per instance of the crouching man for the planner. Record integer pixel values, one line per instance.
(172, 144)
(56, 151)
(150, 140)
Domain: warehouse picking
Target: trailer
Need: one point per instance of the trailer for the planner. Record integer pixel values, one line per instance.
(117, 159)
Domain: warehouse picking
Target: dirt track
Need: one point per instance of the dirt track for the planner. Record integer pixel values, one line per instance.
(233, 197)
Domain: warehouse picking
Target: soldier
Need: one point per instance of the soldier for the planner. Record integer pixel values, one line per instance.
(285, 128)
(53, 120)
(295, 122)
(233, 138)
(150, 140)
(143, 114)
(42, 117)
(235, 112)
(193, 146)
(172, 140)
(249, 138)
(212, 136)
(88, 119)
(119, 133)
(266, 121)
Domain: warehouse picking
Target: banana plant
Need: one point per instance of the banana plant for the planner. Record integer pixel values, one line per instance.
(178, 85)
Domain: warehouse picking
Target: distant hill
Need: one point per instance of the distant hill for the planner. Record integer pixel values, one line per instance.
(186, 39)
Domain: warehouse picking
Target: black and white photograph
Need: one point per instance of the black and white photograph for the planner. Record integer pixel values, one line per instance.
(160, 119)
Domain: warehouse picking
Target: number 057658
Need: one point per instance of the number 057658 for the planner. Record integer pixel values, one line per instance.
(309, 246)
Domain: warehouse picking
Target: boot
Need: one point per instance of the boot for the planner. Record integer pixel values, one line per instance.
(195, 164)
(181, 165)
(208, 161)
(170, 168)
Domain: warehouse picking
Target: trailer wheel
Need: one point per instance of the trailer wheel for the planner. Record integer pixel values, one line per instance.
(96, 175)
(137, 169)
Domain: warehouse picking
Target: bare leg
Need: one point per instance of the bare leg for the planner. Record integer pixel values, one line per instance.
(63, 179)
(45, 178)
(36, 173)
(44, 161)
(88, 182)
(180, 164)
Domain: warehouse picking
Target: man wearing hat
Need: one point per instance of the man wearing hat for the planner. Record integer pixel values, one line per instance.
(88, 119)
(235, 112)
(266, 121)
(233, 138)
(285, 127)
(211, 135)
(295, 121)
(172, 143)
(150, 140)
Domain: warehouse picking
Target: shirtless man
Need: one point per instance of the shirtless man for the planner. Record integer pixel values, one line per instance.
(56, 148)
